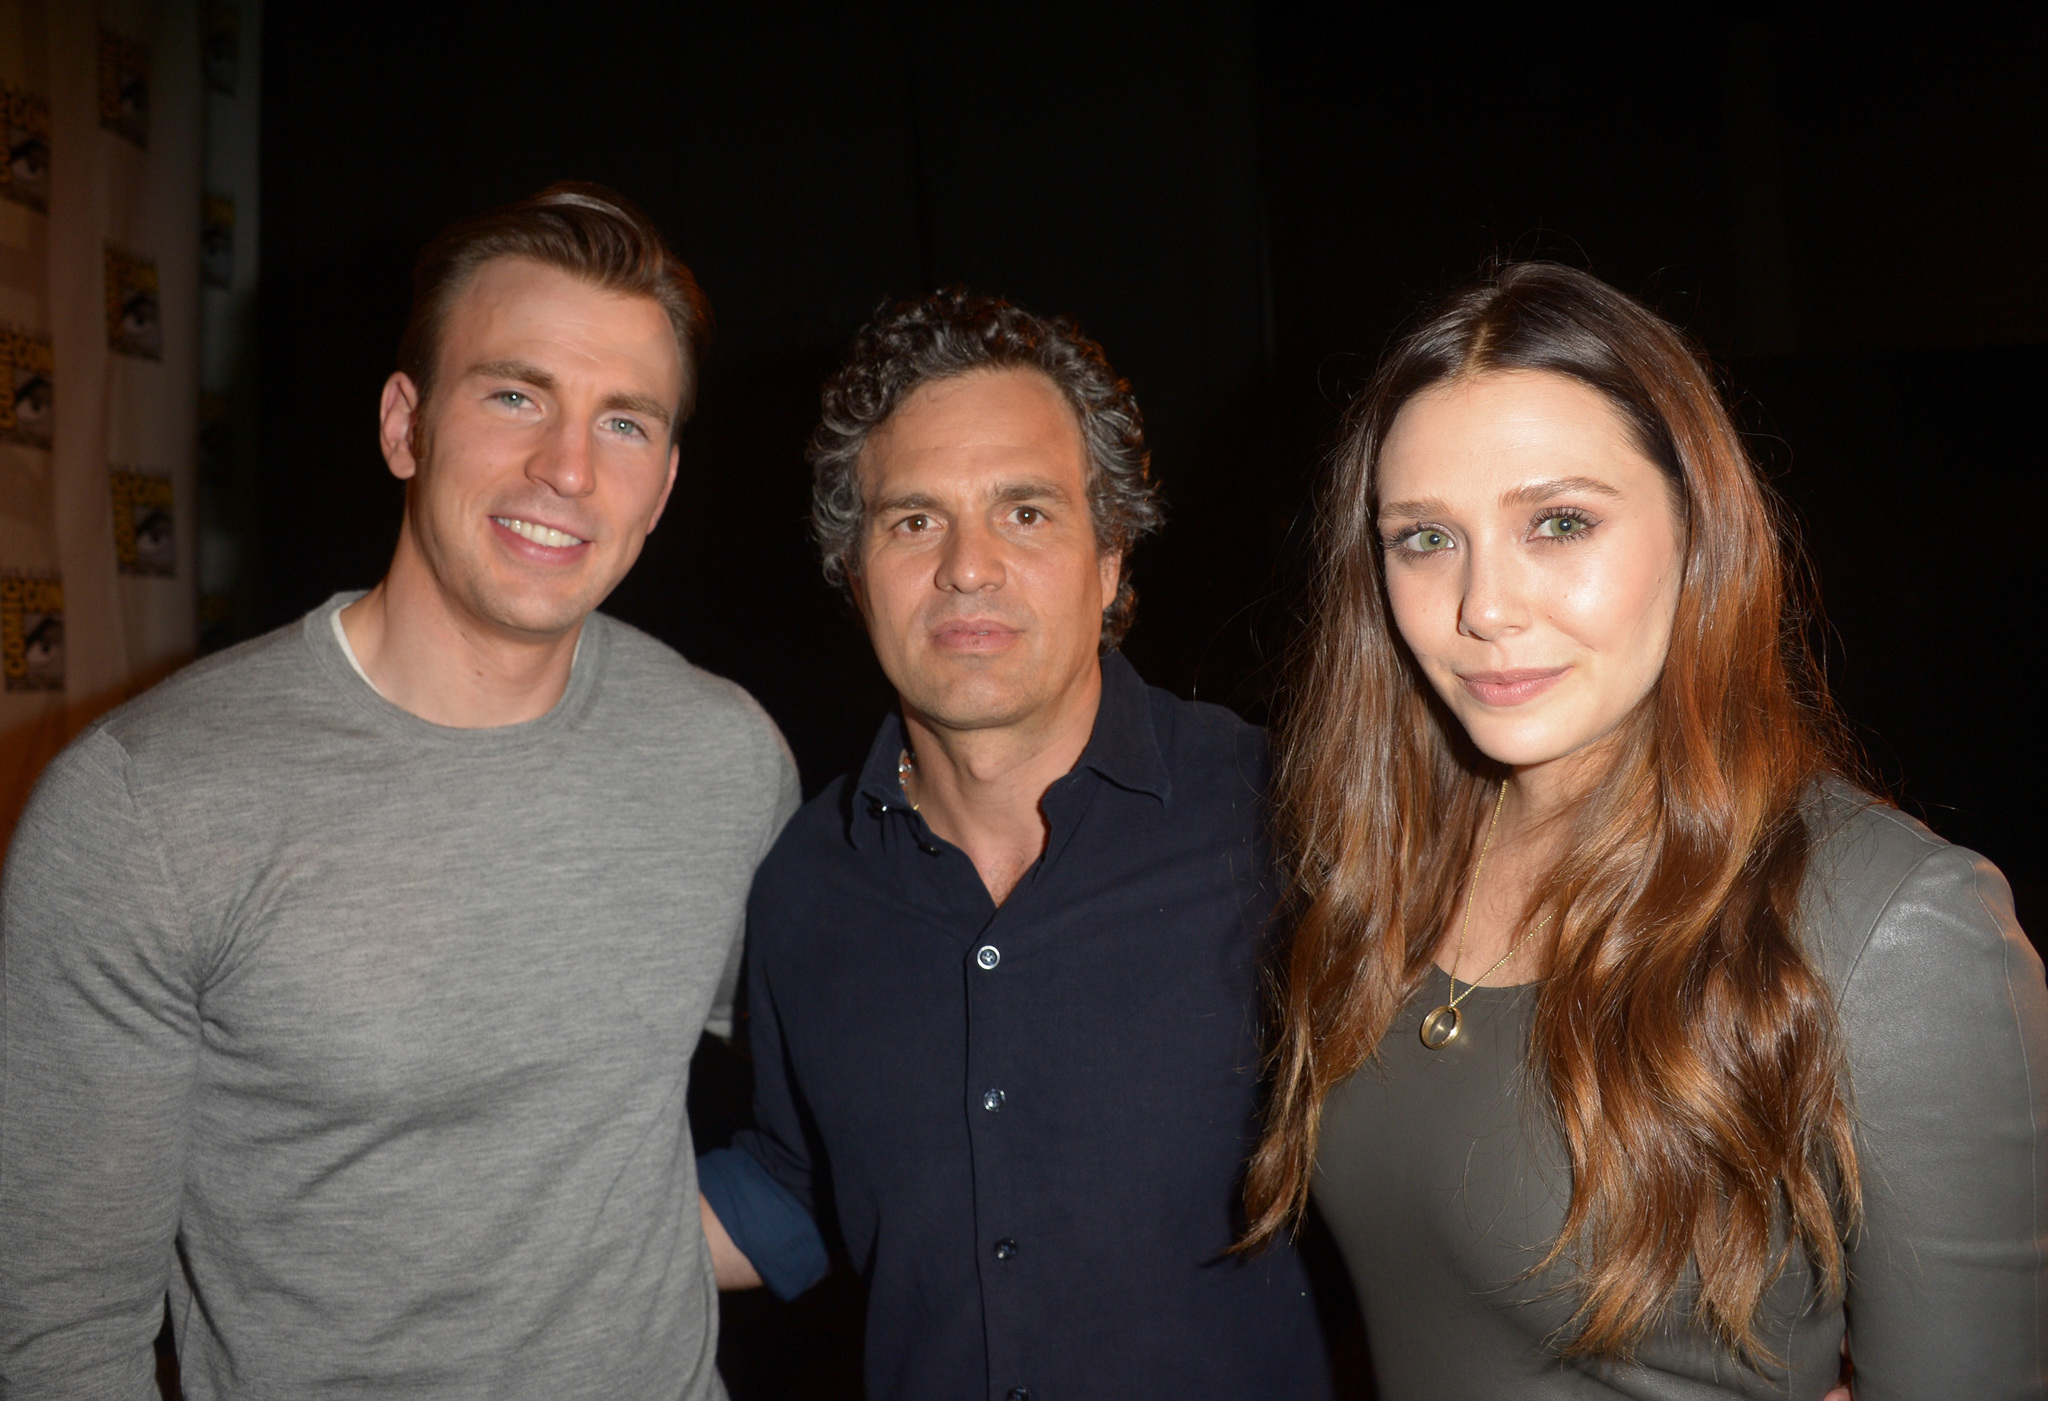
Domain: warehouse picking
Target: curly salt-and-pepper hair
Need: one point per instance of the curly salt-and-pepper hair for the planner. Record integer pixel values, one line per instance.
(951, 333)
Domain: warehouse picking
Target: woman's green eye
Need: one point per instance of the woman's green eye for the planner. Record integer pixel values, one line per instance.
(1558, 527)
(1428, 541)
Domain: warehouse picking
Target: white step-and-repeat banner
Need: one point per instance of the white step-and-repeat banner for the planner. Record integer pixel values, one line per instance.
(127, 200)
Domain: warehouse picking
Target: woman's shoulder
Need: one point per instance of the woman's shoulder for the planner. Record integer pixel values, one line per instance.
(1884, 891)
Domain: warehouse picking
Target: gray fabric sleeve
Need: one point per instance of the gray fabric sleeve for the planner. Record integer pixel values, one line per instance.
(98, 1042)
(725, 1002)
(1947, 1017)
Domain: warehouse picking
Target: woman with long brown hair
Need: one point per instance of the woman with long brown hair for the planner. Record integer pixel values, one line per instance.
(1628, 1047)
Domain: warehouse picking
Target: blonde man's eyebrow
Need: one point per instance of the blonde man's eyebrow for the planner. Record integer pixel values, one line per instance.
(640, 404)
(514, 370)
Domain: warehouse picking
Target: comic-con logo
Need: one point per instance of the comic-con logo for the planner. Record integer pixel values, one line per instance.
(124, 87)
(145, 538)
(217, 241)
(27, 399)
(32, 633)
(134, 312)
(223, 47)
(25, 125)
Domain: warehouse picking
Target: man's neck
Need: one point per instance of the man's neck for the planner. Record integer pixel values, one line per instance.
(983, 789)
(425, 657)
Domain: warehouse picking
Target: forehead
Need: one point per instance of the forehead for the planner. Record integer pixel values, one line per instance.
(976, 431)
(517, 308)
(1482, 433)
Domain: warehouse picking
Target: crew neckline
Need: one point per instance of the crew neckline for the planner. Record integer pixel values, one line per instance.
(326, 637)
(1476, 988)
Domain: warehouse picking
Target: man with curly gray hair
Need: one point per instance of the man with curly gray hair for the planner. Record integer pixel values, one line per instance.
(950, 334)
(1003, 980)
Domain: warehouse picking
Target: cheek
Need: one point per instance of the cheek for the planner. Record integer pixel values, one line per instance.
(1423, 609)
(1620, 603)
(892, 586)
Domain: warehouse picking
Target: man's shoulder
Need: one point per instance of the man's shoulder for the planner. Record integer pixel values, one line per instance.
(1206, 746)
(191, 733)
(654, 690)
(230, 693)
(818, 828)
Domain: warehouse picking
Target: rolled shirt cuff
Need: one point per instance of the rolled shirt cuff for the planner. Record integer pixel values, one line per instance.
(764, 1219)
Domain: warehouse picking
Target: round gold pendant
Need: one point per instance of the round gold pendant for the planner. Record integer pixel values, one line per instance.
(1440, 1028)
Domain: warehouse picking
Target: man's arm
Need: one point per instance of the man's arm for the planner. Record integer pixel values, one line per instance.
(733, 1269)
(757, 1200)
(98, 1046)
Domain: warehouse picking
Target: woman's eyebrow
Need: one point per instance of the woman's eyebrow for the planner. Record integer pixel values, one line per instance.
(1533, 492)
(1427, 506)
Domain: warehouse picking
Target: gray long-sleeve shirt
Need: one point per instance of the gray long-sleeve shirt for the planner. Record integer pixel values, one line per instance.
(369, 1038)
(1444, 1179)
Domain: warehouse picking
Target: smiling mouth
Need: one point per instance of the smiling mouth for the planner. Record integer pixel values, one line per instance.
(1510, 687)
(538, 534)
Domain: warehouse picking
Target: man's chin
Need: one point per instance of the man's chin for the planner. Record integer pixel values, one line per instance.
(980, 702)
(536, 615)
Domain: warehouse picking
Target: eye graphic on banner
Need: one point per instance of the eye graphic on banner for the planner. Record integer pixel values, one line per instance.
(145, 536)
(25, 125)
(27, 393)
(217, 241)
(223, 48)
(134, 316)
(124, 87)
(32, 632)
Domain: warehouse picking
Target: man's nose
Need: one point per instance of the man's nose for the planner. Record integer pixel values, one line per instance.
(562, 461)
(972, 560)
(1494, 603)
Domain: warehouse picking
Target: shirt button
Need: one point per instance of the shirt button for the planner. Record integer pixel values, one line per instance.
(1005, 1248)
(1017, 1393)
(992, 1100)
(988, 956)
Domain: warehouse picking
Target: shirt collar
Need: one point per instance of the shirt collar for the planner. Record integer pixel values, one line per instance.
(1123, 748)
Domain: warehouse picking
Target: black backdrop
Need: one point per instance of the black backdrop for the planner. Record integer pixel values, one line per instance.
(1242, 205)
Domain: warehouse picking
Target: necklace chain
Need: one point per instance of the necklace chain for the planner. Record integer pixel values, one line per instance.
(906, 765)
(1440, 1027)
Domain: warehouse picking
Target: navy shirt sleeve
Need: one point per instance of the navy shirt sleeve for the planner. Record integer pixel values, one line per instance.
(770, 1226)
(780, 1140)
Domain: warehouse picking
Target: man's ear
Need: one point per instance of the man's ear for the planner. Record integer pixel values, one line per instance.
(675, 455)
(397, 420)
(1110, 564)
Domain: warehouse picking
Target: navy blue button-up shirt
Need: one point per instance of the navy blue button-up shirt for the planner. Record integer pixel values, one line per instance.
(1028, 1124)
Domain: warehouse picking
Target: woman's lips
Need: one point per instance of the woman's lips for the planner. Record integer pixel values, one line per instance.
(1510, 687)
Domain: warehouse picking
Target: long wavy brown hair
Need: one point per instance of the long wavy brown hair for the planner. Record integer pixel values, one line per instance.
(1688, 1044)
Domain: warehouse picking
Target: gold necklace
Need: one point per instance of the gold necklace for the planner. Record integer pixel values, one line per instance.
(1440, 1028)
